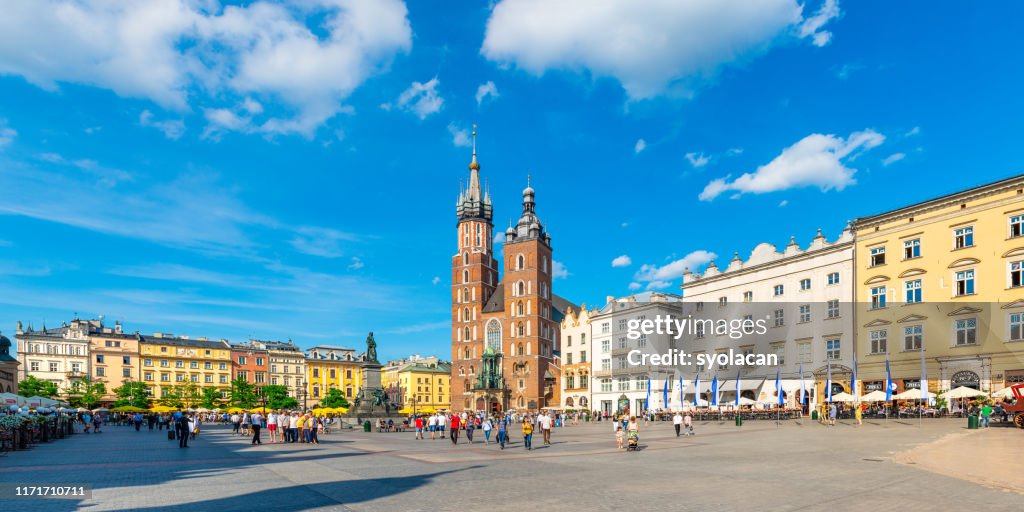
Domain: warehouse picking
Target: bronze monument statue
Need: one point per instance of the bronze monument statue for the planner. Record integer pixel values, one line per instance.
(371, 349)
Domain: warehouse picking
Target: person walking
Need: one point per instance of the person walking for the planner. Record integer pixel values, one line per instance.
(313, 423)
(418, 422)
(470, 427)
(544, 421)
(832, 412)
(442, 422)
(487, 426)
(257, 425)
(181, 429)
(527, 432)
(455, 429)
(272, 426)
(151, 420)
(236, 423)
(502, 431)
(688, 423)
(432, 425)
(137, 420)
(986, 414)
(677, 422)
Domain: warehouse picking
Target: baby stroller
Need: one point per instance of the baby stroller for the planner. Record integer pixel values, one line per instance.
(688, 430)
(633, 440)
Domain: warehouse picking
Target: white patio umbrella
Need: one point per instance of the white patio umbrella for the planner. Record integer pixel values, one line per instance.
(874, 396)
(12, 399)
(912, 394)
(842, 397)
(1006, 392)
(961, 392)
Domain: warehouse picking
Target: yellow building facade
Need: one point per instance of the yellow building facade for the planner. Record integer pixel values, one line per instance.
(114, 359)
(425, 385)
(944, 277)
(169, 361)
(329, 367)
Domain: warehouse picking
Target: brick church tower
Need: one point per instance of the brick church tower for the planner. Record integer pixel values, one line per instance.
(504, 333)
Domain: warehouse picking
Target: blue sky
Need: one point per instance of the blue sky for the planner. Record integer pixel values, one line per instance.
(290, 170)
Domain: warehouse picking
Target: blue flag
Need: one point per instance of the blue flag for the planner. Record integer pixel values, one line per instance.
(664, 394)
(680, 391)
(696, 390)
(647, 404)
(828, 384)
(889, 384)
(778, 388)
(737, 388)
(714, 390)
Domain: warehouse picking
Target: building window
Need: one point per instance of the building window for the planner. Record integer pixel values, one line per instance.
(126, 372)
(241, 360)
(54, 367)
(316, 373)
(779, 349)
(913, 289)
(606, 345)
(779, 317)
(699, 330)
(99, 358)
(179, 364)
(520, 262)
(805, 313)
(913, 337)
(147, 376)
(778, 290)
(100, 372)
(963, 237)
(224, 366)
(748, 296)
(833, 278)
(878, 297)
(832, 349)
(965, 283)
(1016, 274)
(208, 379)
(223, 379)
(583, 356)
(722, 301)
(34, 366)
(805, 284)
(1016, 326)
(877, 256)
(878, 341)
(165, 377)
(912, 249)
(966, 331)
(1016, 226)
(194, 365)
(833, 308)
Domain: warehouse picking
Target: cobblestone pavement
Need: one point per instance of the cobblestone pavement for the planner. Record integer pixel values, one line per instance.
(759, 466)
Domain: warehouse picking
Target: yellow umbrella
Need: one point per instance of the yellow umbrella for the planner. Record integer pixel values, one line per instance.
(162, 408)
(405, 410)
(233, 410)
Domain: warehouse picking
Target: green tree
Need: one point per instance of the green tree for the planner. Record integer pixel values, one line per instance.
(85, 392)
(33, 386)
(277, 397)
(190, 393)
(210, 398)
(243, 394)
(171, 397)
(135, 394)
(334, 398)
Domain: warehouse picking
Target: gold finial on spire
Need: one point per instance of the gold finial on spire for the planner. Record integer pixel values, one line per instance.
(473, 164)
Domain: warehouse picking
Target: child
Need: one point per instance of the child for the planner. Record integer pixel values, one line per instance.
(620, 436)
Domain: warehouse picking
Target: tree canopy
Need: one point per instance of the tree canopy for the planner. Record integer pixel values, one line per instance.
(33, 386)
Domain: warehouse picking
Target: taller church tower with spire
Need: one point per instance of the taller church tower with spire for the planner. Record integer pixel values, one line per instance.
(505, 330)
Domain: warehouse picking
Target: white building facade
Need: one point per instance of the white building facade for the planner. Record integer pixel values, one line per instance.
(804, 296)
(620, 387)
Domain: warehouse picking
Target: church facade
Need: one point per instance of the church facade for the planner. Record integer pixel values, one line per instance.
(505, 316)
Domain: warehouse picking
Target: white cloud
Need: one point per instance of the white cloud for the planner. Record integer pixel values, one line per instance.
(650, 47)
(485, 90)
(893, 158)
(622, 261)
(698, 160)
(658, 285)
(173, 128)
(811, 27)
(783, 203)
(635, 286)
(139, 50)
(674, 269)
(460, 136)
(816, 160)
(356, 264)
(499, 238)
(421, 99)
(640, 146)
(913, 131)
(318, 241)
(558, 270)
(435, 280)
(7, 134)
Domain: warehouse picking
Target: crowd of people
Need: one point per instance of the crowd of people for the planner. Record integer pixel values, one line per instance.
(451, 426)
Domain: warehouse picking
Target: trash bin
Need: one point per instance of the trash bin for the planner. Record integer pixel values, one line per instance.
(972, 421)
(739, 420)
(366, 426)
(814, 415)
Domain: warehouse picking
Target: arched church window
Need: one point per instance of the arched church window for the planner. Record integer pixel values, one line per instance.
(520, 262)
(465, 276)
(519, 308)
(521, 351)
(494, 335)
(465, 258)
(466, 333)
(520, 327)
